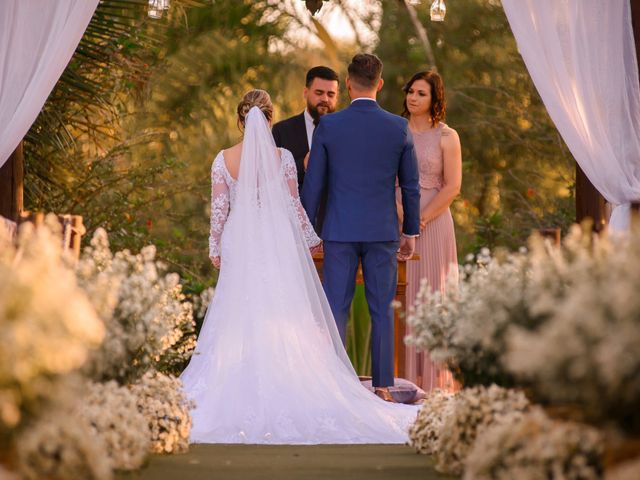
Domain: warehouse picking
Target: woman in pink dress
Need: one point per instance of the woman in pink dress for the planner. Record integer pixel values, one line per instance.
(440, 164)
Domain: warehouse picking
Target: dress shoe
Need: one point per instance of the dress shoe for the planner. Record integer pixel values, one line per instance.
(385, 395)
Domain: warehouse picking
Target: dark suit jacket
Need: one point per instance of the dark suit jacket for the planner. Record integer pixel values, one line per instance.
(292, 135)
(356, 156)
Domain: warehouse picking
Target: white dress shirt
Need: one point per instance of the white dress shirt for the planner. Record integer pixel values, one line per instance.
(308, 121)
(364, 98)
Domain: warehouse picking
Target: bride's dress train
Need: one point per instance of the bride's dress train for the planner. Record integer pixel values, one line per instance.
(270, 366)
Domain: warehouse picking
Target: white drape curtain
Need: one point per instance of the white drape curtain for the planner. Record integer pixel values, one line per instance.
(582, 59)
(37, 40)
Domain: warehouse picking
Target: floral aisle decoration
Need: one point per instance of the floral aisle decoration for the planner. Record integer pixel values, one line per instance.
(112, 413)
(532, 446)
(149, 323)
(466, 328)
(586, 354)
(424, 434)
(166, 410)
(48, 327)
(56, 448)
(471, 411)
(201, 303)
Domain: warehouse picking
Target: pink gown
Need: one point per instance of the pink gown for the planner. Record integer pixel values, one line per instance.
(438, 256)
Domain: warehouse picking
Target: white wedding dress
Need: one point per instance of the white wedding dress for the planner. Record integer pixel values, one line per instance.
(269, 367)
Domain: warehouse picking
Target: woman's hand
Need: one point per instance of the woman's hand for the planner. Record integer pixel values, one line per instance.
(316, 249)
(423, 222)
(215, 261)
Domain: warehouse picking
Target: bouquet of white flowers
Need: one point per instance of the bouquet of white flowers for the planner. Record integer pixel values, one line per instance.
(466, 328)
(587, 352)
(113, 414)
(149, 323)
(424, 434)
(47, 325)
(533, 446)
(59, 448)
(166, 410)
(471, 411)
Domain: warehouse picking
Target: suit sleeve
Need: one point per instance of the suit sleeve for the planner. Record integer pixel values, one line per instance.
(277, 135)
(316, 176)
(408, 179)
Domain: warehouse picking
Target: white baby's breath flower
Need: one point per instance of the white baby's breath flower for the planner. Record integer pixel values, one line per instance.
(113, 414)
(47, 324)
(149, 323)
(471, 411)
(531, 447)
(60, 448)
(166, 410)
(425, 432)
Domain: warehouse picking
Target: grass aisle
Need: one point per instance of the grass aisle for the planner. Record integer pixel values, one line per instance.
(248, 462)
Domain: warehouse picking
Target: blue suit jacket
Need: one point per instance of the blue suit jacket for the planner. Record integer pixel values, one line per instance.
(356, 155)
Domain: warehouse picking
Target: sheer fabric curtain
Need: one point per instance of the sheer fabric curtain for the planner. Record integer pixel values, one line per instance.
(37, 40)
(582, 59)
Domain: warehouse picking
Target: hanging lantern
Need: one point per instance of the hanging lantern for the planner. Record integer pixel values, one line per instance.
(314, 6)
(438, 11)
(157, 7)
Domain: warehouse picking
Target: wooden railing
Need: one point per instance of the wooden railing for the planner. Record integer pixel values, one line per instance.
(72, 229)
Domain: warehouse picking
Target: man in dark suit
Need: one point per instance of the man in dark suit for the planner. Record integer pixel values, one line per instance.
(357, 155)
(296, 133)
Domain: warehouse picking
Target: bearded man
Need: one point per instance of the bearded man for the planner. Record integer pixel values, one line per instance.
(296, 133)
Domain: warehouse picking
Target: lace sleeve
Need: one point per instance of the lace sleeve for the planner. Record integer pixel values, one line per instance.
(219, 205)
(291, 176)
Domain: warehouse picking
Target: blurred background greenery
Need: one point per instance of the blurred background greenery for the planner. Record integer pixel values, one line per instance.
(127, 137)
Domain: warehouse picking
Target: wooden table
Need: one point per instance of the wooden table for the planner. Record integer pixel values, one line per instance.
(399, 313)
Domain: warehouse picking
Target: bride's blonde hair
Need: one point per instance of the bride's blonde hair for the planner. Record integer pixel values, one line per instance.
(254, 98)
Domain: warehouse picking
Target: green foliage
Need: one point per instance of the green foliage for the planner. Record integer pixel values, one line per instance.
(359, 333)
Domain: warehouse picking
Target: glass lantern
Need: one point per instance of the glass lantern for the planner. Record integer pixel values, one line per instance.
(157, 7)
(438, 11)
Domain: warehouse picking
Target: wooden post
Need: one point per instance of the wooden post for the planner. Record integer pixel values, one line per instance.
(12, 185)
(589, 202)
(552, 234)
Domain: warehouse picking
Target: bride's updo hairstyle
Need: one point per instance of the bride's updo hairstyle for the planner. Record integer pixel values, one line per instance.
(254, 98)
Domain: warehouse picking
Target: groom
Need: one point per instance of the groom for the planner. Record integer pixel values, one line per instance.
(356, 156)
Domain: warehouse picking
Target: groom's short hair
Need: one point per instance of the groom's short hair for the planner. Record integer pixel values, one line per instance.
(365, 70)
(322, 72)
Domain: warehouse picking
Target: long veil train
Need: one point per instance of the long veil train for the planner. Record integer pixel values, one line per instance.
(270, 366)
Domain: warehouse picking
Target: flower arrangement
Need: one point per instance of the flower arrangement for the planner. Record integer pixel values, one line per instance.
(466, 327)
(113, 414)
(424, 434)
(149, 323)
(586, 353)
(48, 327)
(201, 303)
(533, 446)
(560, 322)
(58, 449)
(166, 410)
(471, 411)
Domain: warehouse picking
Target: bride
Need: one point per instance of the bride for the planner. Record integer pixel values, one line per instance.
(270, 366)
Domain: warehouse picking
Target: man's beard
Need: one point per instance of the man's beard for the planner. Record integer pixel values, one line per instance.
(315, 114)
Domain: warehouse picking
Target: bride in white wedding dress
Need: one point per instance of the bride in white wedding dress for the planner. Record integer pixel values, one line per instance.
(270, 366)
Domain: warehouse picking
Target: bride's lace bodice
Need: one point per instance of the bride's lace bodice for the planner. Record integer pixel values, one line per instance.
(223, 194)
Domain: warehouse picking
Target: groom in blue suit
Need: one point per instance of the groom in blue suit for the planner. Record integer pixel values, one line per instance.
(356, 156)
